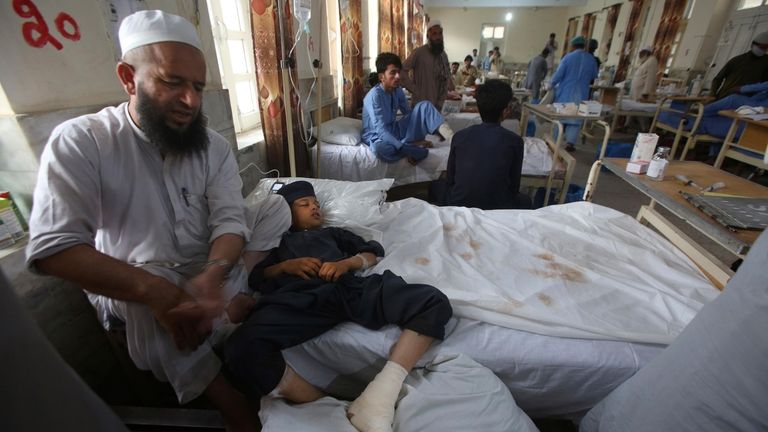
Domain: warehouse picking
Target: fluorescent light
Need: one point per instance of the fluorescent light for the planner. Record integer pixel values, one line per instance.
(508, 16)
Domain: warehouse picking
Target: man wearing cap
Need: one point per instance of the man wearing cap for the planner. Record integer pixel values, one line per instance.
(748, 68)
(141, 205)
(644, 80)
(571, 84)
(426, 72)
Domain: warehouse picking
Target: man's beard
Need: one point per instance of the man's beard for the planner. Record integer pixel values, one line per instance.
(187, 141)
(436, 46)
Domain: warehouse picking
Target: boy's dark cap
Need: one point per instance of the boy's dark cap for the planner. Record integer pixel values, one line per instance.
(298, 189)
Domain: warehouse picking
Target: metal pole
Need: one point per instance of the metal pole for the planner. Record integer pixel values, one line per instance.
(285, 68)
(319, 110)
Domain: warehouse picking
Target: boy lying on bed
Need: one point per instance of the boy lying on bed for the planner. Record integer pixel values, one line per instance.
(308, 287)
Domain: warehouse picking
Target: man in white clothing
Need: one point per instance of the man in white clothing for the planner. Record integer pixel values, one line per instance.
(644, 80)
(141, 205)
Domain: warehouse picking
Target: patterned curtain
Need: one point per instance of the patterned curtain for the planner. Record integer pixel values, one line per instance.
(570, 33)
(266, 47)
(392, 27)
(385, 26)
(351, 55)
(629, 37)
(668, 29)
(586, 27)
(416, 24)
(398, 27)
(610, 27)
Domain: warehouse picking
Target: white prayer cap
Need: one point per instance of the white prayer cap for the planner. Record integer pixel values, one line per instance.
(647, 48)
(153, 26)
(762, 38)
(433, 23)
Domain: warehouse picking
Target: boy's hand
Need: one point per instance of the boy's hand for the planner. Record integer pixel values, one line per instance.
(305, 268)
(332, 271)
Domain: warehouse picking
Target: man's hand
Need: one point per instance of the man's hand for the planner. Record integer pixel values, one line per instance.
(452, 95)
(332, 271)
(305, 268)
(186, 321)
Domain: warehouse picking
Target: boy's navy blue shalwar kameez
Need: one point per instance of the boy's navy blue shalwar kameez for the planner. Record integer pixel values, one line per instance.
(293, 310)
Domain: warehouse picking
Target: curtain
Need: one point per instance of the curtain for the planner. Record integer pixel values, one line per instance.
(266, 47)
(586, 28)
(392, 27)
(570, 33)
(610, 27)
(385, 26)
(416, 23)
(629, 37)
(669, 26)
(350, 12)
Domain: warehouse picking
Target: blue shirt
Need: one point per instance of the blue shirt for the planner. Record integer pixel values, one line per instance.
(573, 76)
(380, 114)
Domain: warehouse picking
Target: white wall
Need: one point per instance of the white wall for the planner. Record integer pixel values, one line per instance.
(699, 42)
(83, 71)
(525, 36)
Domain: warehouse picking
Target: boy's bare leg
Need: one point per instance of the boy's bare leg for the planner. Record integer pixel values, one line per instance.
(374, 409)
(238, 413)
(296, 389)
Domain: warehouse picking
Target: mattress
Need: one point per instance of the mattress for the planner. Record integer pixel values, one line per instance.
(547, 376)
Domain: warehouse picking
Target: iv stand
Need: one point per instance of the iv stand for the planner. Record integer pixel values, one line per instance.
(319, 109)
(285, 67)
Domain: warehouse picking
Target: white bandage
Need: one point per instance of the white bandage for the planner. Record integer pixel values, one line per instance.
(374, 409)
(445, 131)
(366, 264)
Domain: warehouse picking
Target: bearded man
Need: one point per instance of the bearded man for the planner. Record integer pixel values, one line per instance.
(140, 204)
(426, 73)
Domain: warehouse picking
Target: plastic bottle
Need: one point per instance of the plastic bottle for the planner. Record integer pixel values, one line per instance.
(658, 164)
(695, 86)
(302, 10)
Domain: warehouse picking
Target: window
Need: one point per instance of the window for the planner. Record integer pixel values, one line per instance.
(746, 4)
(493, 32)
(234, 49)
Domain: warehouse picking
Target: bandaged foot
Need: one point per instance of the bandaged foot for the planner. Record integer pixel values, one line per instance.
(445, 131)
(374, 409)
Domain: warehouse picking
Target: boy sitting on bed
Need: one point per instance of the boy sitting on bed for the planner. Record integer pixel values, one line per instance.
(308, 286)
(486, 160)
(390, 138)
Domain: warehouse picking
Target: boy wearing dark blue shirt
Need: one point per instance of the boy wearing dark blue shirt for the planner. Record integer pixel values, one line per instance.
(486, 160)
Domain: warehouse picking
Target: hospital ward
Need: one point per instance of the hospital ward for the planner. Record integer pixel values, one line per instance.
(384, 215)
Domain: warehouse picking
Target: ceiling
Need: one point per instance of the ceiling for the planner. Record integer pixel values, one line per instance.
(503, 3)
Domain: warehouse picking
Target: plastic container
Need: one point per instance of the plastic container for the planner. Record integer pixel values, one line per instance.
(695, 88)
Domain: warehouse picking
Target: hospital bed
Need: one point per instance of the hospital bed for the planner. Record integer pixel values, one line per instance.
(563, 304)
(689, 111)
(343, 156)
(626, 107)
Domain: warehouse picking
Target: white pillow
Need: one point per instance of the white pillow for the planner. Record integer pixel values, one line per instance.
(342, 131)
(344, 203)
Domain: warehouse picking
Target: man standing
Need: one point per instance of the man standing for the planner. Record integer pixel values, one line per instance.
(426, 72)
(390, 138)
(644, 79)
(497, 64)
(748, 68)
(537, 70)
(486, 66)
(474, 57)
(571, 83)
(141, 205)
(551, 45)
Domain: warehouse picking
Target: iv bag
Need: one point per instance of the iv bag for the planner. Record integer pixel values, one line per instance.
(302, 10)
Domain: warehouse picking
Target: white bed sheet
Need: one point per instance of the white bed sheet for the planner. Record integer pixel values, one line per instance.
(547, 376)
(631, 105)
(359, 163)
(576, 270)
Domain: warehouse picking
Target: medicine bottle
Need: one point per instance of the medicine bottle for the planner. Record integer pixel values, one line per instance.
(658, 164)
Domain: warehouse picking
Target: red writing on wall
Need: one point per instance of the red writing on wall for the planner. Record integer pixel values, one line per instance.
(36, 32)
